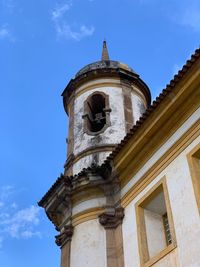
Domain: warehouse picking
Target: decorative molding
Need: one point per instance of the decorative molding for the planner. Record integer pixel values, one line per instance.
(116, 73)
(110, 220)
(70, 146)
(93, 149)
(65, 236)
(128, 109)
(87, 215)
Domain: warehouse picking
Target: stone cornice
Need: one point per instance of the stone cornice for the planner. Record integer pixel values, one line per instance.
(105, 72)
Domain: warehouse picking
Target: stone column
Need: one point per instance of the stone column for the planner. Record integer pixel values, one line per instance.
(112, 222)
(64, 241)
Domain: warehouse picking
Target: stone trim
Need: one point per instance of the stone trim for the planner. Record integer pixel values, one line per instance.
(65, 255)
(128, 109)
(145, 259)
(193, 158)
(112, 222)
(70, 139)
(105, 73)
(65, 236)
(91, 150)
(114, 248)
(68, 165)
(64, 242)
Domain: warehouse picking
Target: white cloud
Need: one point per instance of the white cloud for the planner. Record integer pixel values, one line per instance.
(21, 222)
(59, 11)
(15, 222)
(64, 29)
(5, 33)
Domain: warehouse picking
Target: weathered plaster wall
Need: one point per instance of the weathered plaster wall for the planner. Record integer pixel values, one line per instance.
(86, 161)
(89, 204)
(112, 134)
(138, 106)
(185, 217)
(88, 247)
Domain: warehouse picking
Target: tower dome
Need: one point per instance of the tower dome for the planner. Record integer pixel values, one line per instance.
(103, 101)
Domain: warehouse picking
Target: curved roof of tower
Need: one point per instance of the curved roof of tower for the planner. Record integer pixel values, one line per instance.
(104, 68)
(105, 62)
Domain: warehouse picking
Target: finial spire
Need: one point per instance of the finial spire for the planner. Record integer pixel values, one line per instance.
(105, 55)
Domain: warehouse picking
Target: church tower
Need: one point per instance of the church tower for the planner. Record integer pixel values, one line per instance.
(103, 102)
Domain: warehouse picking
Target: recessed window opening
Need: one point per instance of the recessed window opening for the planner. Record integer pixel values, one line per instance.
(96, 112)
(155, 227)
(155, 217)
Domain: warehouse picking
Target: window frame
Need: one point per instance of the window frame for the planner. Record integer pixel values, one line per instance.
(192, 157)
(145, 260)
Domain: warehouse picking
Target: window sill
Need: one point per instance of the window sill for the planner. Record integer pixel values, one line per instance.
(159, 256)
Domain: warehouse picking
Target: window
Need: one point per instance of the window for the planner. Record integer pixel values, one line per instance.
(97, 113)
(155, 228)
(194, 164)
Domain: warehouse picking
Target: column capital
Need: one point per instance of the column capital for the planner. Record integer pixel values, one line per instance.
(65, 236)
(111, 220)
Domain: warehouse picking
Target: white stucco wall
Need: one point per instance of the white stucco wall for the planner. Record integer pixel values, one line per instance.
(89, 204)
(112, 134)
(88, 161)
(184, 209)
(156, 240)
(185, 217)
(138, 107)
(88, 247)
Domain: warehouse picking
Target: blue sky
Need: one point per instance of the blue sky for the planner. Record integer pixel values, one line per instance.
(43, 43)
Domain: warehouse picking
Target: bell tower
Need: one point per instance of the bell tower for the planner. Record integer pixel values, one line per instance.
(103, 101)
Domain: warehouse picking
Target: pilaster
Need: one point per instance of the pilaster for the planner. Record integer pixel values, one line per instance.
(64, 241)
(112, 221)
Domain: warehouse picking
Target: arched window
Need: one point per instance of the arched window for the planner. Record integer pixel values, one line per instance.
(96, 117)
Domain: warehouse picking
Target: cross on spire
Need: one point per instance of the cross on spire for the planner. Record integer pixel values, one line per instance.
(105, 55)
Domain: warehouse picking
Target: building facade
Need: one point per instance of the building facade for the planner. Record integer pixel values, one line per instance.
(130, 192)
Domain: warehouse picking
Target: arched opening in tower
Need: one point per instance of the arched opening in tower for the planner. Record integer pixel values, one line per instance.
(97, 117)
